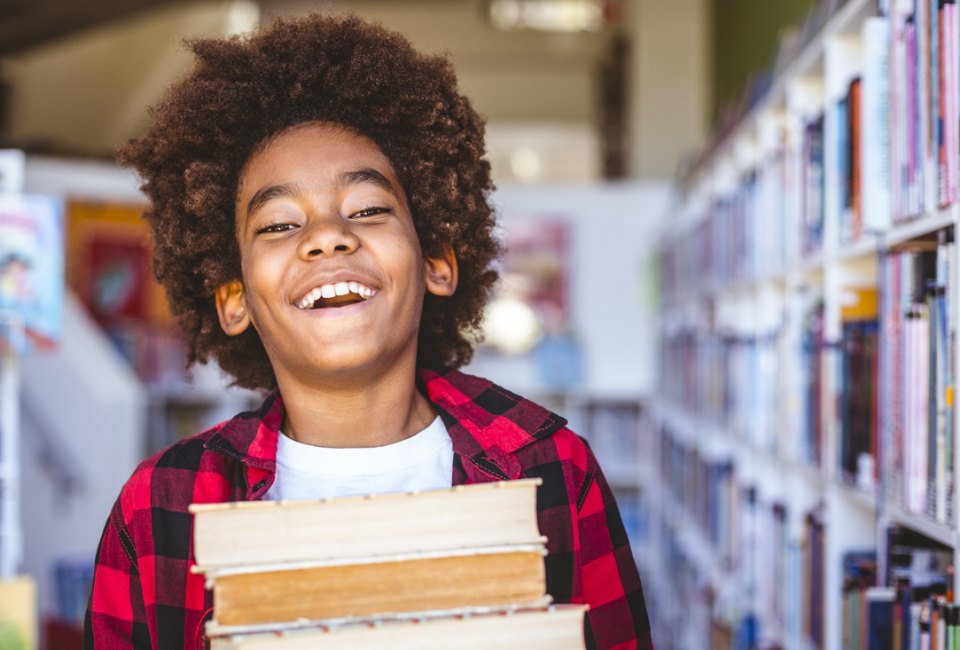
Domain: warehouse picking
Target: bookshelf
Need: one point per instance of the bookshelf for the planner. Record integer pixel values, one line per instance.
(181, 404)
(805, 420)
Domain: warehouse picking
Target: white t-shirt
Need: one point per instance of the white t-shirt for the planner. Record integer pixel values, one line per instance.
(423, 461)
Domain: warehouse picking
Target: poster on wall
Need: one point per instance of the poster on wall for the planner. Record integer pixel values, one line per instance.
(108, 268)
(530, 312)
(536, 267)
(31, 271)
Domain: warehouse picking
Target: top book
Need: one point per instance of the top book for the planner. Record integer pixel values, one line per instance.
(345, 529)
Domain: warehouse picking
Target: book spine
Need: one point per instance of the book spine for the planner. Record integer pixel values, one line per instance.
(880, 606)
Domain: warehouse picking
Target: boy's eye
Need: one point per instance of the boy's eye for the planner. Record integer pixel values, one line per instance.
(368, 212)
(275, 227)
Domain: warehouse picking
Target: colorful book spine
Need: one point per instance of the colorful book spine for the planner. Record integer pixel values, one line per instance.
(875, 143)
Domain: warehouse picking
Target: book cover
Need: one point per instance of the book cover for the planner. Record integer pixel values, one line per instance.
(18, 614)
(263, 594)
(880, 606)
(31, 271)
(348, 528)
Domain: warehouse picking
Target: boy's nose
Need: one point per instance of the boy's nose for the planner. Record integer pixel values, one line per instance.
(326, 237)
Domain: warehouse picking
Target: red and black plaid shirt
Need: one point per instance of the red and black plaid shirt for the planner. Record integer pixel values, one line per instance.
(145, 596)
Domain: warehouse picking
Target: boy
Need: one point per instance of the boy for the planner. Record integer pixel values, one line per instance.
(321, 225)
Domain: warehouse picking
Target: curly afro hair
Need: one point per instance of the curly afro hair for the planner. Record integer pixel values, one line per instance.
(333, 69)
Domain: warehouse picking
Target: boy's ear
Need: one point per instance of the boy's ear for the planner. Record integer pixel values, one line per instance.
(441, 273)
(232, 308)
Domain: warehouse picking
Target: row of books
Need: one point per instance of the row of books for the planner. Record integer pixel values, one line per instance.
(772, 215)
(924, 99)
(777, 390)
(728, 379)
(792, 43)
(918, 355)
(903, 331)
(842, 163)
(765, 577)
(911, 606)
(707, 491)
(780, 576)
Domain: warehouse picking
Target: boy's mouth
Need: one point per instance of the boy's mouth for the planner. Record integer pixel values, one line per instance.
(337, 294)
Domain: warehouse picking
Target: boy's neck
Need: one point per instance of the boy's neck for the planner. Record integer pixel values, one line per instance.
(355, 413)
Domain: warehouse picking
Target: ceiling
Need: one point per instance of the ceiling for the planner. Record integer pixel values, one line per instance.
(108, 60)
(25, 24)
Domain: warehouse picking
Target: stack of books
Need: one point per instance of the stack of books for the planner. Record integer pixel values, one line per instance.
(460, 567)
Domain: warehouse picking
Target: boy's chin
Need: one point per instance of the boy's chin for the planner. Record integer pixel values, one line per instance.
(353, 363)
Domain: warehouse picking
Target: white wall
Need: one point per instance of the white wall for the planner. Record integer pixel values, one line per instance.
(612, 242)
(670, 84)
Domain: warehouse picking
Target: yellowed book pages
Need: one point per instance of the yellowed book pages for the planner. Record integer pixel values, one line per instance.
(18, 614)
(346, 528)
(555, 628)
(370, 588)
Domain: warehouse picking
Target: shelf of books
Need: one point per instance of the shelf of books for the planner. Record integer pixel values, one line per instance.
(801, 452)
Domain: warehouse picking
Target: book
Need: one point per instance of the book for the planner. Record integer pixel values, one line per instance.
(18, 613)
(264, 594)
(345, 528)
(880, 603)
(31, 272)
(859, 575)
(813, 190)
(557, 627)
(814, 574)
(858, 386)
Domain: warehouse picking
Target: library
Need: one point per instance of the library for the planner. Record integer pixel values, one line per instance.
(727, 263)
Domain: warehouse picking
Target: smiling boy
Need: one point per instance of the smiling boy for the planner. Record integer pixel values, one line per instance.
(319, 206)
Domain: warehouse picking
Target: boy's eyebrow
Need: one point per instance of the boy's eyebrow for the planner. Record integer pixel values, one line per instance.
(357, 177)
(266, 194)
(367, 175)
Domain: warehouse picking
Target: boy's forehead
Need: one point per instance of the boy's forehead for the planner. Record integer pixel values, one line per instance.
(324, 138)
(313, 146)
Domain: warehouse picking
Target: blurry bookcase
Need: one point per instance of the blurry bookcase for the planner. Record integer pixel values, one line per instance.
(31, 319)
(802, 448)
(111, 303)
(613, 427)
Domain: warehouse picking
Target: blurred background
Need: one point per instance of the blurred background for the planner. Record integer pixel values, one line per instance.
(613, 126)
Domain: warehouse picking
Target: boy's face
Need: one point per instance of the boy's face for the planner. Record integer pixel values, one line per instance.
(333, 274)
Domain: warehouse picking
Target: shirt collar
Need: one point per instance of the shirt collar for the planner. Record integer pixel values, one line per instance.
(487, 424)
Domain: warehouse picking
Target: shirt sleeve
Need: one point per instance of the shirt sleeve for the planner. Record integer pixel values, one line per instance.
(617, 618)
(115, 616)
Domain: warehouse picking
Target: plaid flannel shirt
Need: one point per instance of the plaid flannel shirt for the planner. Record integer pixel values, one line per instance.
(145, 596)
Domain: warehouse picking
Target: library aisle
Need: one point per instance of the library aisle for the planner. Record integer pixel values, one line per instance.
(760, 348)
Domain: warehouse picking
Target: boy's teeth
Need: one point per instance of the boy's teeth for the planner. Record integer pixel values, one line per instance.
(334, 290)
